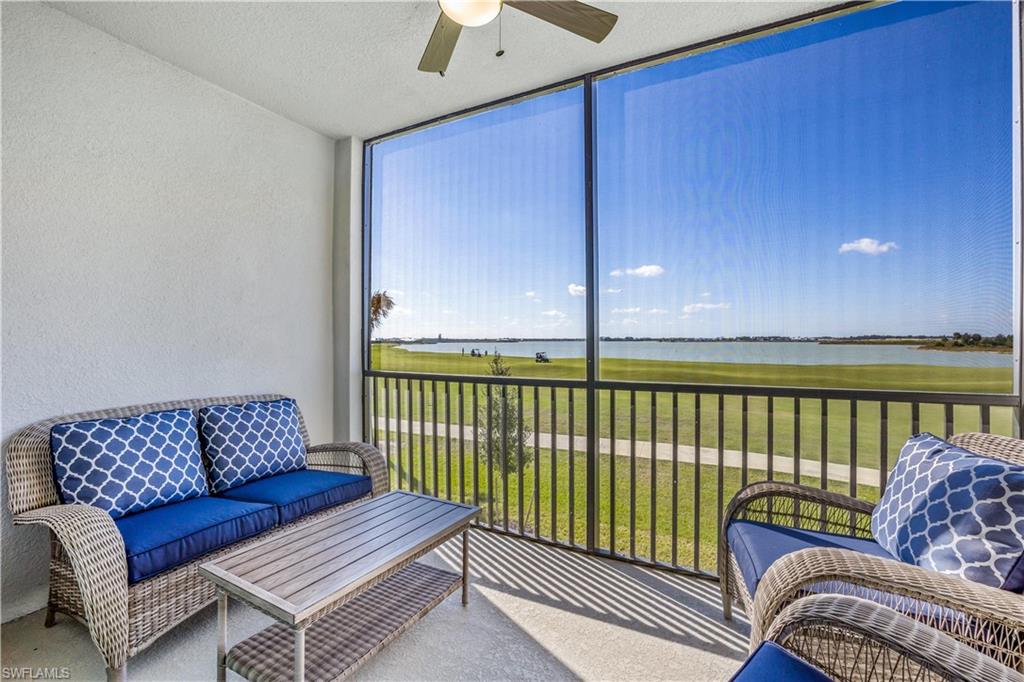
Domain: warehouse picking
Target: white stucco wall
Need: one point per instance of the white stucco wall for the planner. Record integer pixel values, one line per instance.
(162, 238)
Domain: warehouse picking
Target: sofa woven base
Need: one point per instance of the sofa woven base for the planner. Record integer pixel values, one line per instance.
(343, 640)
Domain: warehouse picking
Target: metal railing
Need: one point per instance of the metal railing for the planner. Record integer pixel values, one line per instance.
(667, 458)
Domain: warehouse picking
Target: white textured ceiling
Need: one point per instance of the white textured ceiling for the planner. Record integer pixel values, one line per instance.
(349, 68)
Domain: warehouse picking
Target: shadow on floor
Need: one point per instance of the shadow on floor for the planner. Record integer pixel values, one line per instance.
(536, 613)
(679, 608)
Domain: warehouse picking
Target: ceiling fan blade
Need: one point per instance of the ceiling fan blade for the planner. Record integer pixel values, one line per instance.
(578, 17)
(441, 45)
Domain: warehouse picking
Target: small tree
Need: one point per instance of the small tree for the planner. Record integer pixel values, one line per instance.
(503, 429)
(498, 368)
(381, 305)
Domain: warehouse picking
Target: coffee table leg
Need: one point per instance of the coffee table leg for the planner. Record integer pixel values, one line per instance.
(465, 567)
(222, 635)
(300, 656)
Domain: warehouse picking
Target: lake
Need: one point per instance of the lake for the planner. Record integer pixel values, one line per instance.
(745, 352)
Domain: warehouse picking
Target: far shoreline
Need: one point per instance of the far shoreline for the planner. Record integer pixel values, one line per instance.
(918, 342)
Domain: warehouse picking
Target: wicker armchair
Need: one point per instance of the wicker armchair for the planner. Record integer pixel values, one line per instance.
(855, 639)
(989, 619)
(88, 569)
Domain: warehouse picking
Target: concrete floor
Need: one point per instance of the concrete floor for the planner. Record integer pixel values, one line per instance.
(535, 612)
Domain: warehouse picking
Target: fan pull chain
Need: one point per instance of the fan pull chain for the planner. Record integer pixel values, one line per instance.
(500, 51)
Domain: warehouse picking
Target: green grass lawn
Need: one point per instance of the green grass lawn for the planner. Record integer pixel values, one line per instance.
(692, 529)
(887, 377)
(867, 426)
(700, 492)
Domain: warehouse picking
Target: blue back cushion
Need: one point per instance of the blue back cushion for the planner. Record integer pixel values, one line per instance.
(950, 510)
(247, 442)
(128, 465)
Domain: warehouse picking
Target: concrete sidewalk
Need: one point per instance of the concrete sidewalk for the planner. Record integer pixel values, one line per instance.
(686, 453)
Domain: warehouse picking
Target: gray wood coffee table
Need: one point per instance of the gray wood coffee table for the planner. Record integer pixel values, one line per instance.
(339, 588)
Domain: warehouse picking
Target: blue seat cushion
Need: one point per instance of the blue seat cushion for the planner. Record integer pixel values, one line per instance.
(757, 545)
(771, 663)
(298, 493)
(165, 537)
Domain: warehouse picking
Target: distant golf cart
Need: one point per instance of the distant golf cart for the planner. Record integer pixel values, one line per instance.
(541, 357)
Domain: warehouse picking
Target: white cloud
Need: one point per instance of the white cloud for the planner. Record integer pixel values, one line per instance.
(868, 246)
(630, 322)
(395, 292)
(556, 320)
(610, 290)
(530, 294)
(706, 294)
(639, 271)
(625, 311)
(656, 311)
(691, 309)
(577, 290)
(401, 311)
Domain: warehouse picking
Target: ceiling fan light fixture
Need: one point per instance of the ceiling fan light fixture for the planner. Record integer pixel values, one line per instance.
(471, 13)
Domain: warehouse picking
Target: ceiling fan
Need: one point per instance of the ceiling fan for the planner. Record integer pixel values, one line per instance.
(577, 17)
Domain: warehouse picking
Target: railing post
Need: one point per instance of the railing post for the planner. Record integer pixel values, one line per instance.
(593, 336)
(496, 450)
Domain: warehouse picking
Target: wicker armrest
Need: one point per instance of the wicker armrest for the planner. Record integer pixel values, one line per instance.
(773, 502)
(794, 506)
(988, 619)
(360, 457)
(855, 639)
(95, 550)
(991, 445)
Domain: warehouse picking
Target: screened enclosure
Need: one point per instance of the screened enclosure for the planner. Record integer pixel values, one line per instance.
(599, 309)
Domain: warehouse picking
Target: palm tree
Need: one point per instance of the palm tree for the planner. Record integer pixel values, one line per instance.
(380, 305)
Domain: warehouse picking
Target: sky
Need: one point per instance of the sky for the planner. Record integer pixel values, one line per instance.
(849, 177)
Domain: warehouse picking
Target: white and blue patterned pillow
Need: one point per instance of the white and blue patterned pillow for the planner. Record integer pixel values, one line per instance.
(128, 465)
(953, 511)
(243, 443)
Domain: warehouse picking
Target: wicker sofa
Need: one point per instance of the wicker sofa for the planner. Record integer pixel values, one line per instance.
(856, 640)
(89, 576)
(989, 619)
